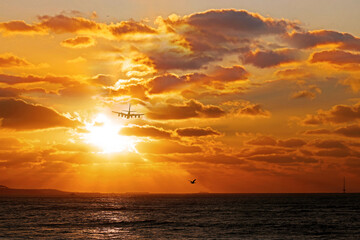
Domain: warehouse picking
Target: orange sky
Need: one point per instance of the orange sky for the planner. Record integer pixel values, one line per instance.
(242, 101)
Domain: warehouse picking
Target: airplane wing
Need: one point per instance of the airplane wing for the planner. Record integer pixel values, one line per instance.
(120, 114)
(137, 115)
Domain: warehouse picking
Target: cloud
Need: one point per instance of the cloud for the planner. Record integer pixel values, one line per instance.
(78, 42)
(237, 22)
(102, 79)
(291, 143)
(269, 141)
(337, 153)
(321, 37)
(167, 147)
(145, 131)
(337, 114)
(318, 132)
(8, 60)
(283, 159)
(336, 57)
(165, 83)
(64, 24)
(265, 59)
(190, 109)
(234, 73)
(19, 115)
(126, 27)
(253, 110)
(174, 60)
(61, 23)
(18, 27)
(329, 144)
(349, 131)
(196, 132)
(303, 94)
(263, 141)
(11, 79)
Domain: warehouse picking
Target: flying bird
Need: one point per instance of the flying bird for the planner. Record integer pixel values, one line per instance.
(193, 181)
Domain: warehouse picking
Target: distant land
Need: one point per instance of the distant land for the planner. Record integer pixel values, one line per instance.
(8, 192)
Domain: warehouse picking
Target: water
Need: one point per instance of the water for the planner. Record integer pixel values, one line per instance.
(208, 216)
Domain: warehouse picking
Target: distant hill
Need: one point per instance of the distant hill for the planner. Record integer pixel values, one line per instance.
(8, 192)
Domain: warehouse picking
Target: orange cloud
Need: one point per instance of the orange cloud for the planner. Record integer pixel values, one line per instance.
(236, 22)
(349, 131)
(63, 24)
(321, 37)
(337, 114)
(196, 132)
(234, 73)
(9, 60)
(19, 115)
(303, 94)
(167, 147)
(18, 27)
(336, 57)
(190, 109)
(253, 110)
(11, 79)
(126, 27)
(78, 42)
(145, 131)
(265, 59)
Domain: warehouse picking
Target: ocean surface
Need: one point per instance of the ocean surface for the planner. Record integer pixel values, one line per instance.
(192, 216)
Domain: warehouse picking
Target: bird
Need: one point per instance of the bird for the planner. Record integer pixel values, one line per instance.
(193, 181)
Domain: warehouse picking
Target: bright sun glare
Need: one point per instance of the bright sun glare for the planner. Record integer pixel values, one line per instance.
(104, 133)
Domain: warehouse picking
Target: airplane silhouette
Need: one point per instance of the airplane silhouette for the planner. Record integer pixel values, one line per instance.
(128, 114)
(193, 181)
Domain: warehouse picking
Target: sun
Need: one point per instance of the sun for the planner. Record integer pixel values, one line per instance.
(104, 134)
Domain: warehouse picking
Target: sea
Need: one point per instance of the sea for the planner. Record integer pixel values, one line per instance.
(182, 216)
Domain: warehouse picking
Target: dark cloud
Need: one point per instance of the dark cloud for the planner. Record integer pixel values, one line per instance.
(337, 153)
(126, 27)
(291, 143)
(264, 59)
(167, 147)
(9, 60)
(337, 114)
(78, 42)
(269, 141)
(250, 109)
(237, 22)
(19, 115)
(349, 131)
(329, 144)
(336, 57)
(18, 27)
(263, 141)
(303, 94)
(318, 131)
(196, 132)
(316, 38)
(234, 73)
(283, 159)
(64, 24)
(11, 79)
(174, 60)
(165, 83)
(190, 109)
(145, 131)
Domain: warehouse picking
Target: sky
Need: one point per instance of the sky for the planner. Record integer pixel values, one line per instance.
(244, 96)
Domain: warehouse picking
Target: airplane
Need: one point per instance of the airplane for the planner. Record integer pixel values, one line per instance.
(193, 181)
(128, 114)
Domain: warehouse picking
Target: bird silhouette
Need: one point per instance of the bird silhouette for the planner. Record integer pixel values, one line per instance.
(193, 181)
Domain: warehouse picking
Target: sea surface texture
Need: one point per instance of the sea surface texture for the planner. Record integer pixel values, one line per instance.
(196, 216)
